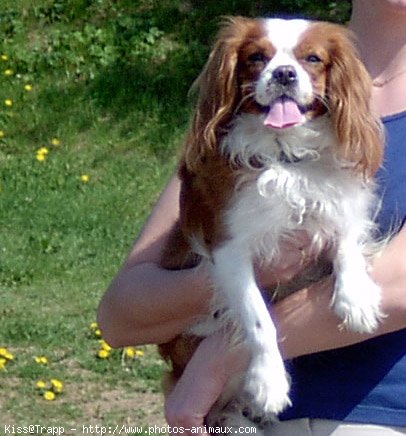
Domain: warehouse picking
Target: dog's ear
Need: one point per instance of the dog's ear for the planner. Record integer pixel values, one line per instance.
(349, 92)
(218, 91)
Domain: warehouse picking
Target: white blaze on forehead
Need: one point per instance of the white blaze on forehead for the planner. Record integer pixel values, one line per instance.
(285, 34)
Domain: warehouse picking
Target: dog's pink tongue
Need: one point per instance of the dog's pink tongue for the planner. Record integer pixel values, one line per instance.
(283, 113)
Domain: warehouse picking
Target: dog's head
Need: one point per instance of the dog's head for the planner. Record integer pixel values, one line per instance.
(288, 72)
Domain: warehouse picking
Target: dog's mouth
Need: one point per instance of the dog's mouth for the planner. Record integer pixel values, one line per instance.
(284, 112)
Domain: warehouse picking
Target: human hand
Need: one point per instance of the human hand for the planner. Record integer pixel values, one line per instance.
(204, 379)
(295, 255)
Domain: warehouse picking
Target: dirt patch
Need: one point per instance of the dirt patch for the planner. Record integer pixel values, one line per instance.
(126, 408)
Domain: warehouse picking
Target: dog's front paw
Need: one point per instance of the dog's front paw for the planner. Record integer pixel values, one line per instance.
(357, 302)
(266, 389)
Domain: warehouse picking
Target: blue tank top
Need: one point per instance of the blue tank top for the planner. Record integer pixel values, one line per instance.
(366, 382)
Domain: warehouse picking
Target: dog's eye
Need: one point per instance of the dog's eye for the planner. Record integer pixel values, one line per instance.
(313, 59)
(257, 57)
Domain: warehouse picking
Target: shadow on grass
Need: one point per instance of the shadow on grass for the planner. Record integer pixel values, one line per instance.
(136, 89)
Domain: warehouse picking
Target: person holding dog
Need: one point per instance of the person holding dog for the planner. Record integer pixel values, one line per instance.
(343, 383)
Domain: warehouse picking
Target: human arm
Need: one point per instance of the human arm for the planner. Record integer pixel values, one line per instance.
(146, 303)
(302, 314)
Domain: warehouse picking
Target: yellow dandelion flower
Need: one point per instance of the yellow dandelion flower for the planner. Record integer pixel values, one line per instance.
(57, 385)
(4, 57)
(103, 354)
(58, 389)
(8, 72)
(5, 354)
(43, 150)
(28, 87)
(130, 352)
(9, 356)
(8, 102)
(98, 333)
(41, 157)
(41, 360)
(133, 353)
(105, 346)
(42, 154)
(49, 395)
(55, 141)
(41, 384)
(85, 178)
(3, 363)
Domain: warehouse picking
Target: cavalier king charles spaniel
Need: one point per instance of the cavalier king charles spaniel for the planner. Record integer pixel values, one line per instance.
(283, 140)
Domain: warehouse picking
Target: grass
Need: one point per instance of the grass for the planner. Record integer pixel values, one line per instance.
(61, 242)
(63, 236)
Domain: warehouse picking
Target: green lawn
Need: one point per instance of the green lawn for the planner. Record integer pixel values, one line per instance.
(83, 156)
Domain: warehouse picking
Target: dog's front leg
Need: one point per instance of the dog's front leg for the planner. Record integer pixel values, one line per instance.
(265, 389)
(357, 297)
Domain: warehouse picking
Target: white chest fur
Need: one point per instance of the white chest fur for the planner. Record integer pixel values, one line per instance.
(324, 200)
(315, 191)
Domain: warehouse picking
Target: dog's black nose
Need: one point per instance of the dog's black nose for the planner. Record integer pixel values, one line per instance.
(285, 75)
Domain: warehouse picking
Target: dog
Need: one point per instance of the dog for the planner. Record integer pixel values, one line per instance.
(283, 139)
